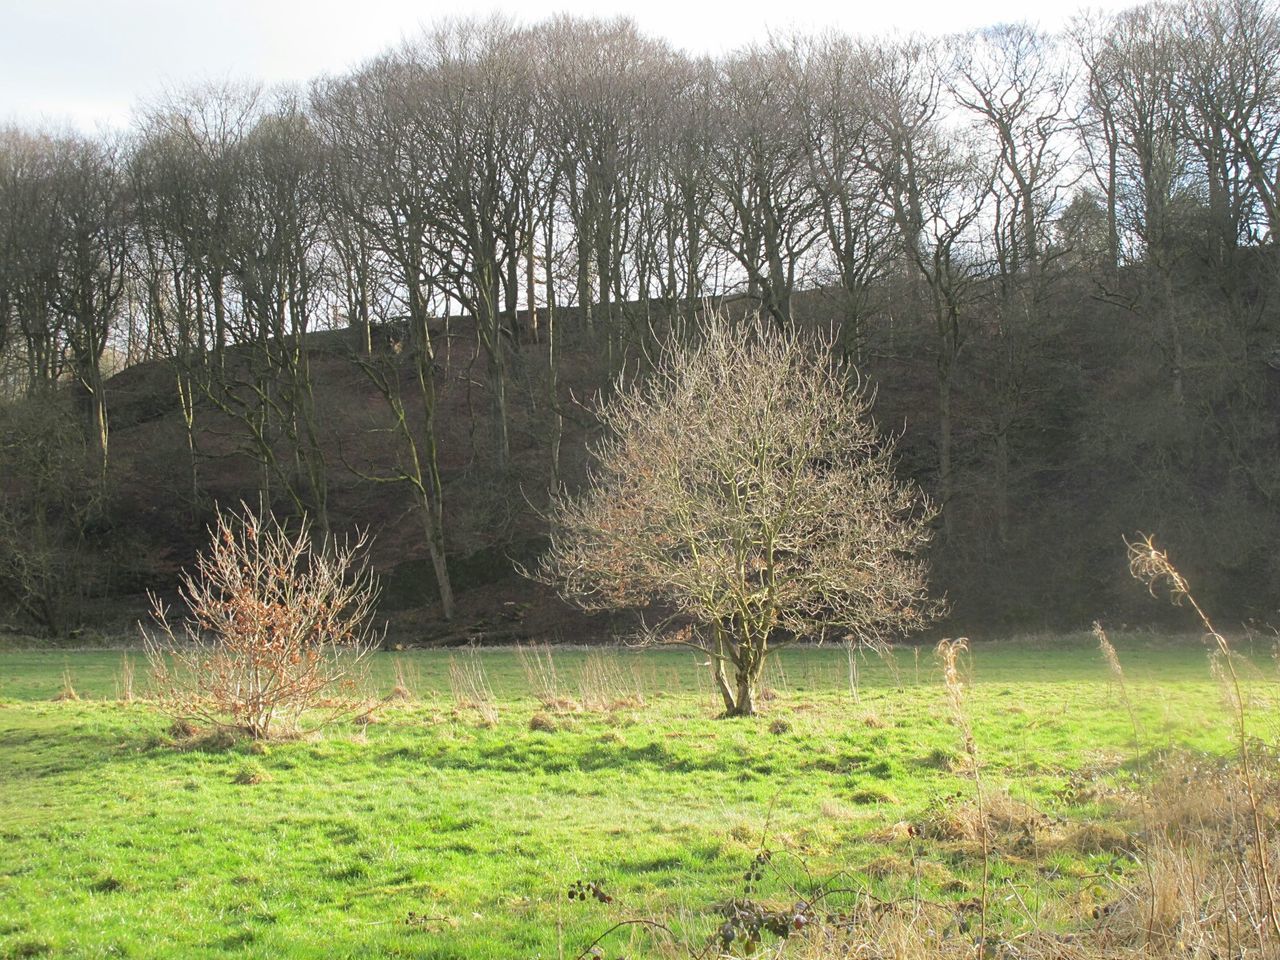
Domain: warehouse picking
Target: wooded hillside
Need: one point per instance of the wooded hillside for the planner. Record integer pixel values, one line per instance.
(389, 300)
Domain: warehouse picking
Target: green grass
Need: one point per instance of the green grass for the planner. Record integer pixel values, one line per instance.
(114, 843)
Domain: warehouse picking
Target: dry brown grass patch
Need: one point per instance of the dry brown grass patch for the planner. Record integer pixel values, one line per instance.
(1003, 819)
(542, 722)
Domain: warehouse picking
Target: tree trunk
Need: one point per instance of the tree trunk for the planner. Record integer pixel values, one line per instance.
(552, 392)
(945, 481)
(439, 563)
(511, 293)
(1002, 485)
(489, 327)
(187, 400)
(748, 677)
(98, 411)
(718, 657)
(585, 316)
(722, 684)
(530, 293)
(748, 661)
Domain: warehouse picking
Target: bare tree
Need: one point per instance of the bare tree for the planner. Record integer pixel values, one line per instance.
(744, 487)
(183, 176)
(1153, 152)
(857, 223)
(604, 85)
(472, 86)
(683, 187)
(1154, 163)
(937, 187)
(1228, 75)
(166, 273)
(1013, 82)
(274, 254)
(198, 137)
(1098, 129)
(64, 258)
(1014, 85)
(91, 218)
(380, 169)
(28, 259)
(765, 211)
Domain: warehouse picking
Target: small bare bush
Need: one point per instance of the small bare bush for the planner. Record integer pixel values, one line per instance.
(276, 627)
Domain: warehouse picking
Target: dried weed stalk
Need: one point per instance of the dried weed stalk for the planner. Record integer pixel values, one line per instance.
(1202, 891)
(949, 652)
(68, 691)
(1117, 673)
(406, 683)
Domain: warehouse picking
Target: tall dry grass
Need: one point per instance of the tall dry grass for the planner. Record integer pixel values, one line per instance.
(125, 679)
(949, 653)
(542, 677)
(408, 681)
(605, 684)
(1152, 566)
(469, 684)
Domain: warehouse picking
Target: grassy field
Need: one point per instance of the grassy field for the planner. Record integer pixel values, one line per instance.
(443, 829)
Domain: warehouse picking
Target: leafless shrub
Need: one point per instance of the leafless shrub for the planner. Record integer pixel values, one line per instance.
(276, 627)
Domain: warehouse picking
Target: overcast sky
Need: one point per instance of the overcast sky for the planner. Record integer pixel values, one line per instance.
(88, 62)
